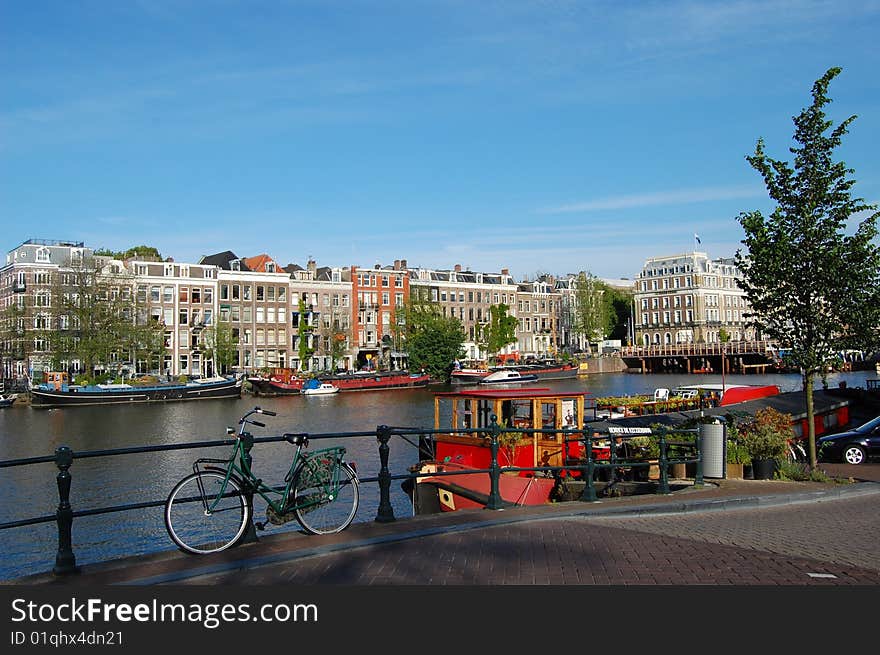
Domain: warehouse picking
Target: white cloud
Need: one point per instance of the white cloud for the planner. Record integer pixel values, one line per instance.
(680, 197)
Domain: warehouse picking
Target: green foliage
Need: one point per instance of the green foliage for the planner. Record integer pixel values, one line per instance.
(135, 251)
(500, 330)
(811, 286)
(303, 330)
(767, 436)
(433, 341)
(220, 345)
(593, 313)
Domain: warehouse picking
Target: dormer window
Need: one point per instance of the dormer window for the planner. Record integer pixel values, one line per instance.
(42, 254)
(270, 267)
(235, 265)
(169, 270)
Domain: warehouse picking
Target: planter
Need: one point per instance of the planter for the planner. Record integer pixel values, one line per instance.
(763, 469)
(735, 471)
(678, 471)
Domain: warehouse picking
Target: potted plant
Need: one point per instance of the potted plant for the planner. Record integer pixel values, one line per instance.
(766, 440)
(737, 454)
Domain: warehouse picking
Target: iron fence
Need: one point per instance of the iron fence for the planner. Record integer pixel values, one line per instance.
(668, 453)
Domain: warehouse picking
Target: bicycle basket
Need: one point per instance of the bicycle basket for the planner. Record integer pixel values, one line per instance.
(321, 469)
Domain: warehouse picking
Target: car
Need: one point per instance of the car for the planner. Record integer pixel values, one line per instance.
(854, 446)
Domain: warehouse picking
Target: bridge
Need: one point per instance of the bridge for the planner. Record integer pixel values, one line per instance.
(730, 357)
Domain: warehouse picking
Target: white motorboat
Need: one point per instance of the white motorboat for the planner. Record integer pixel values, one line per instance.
(319, 390)
(508, 377)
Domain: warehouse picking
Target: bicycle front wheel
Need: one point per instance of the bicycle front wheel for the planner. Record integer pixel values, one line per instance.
(325, 498)
(199, 519)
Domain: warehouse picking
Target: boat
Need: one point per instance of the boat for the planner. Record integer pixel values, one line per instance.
(505, 376)
(548, 370)
(315, 388)
(681, 399)
(451, 474)
(56, 391)
(721, 395)
(276, 381)
(7, 400)
(278, 385)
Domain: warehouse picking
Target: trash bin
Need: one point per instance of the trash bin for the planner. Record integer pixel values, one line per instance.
(714, 459)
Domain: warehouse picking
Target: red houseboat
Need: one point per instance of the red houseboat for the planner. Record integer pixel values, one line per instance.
(464, 453)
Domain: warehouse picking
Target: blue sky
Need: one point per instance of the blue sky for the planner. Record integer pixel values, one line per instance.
(540, 136)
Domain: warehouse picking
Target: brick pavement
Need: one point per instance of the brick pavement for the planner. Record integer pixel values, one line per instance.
(732, 533)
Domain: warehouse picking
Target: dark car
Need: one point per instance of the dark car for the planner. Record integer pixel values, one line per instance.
(854, 446)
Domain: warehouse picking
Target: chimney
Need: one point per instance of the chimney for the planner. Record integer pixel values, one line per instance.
(504, 271)
(403, 264)
(458, 268)
(312, 266)
(396, 264)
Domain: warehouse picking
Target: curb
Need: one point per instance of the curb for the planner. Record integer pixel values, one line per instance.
(684, 507)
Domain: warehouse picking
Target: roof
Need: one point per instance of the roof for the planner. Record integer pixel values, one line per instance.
(791, 402)
(222, 259)
(258, 263)
(511, 394)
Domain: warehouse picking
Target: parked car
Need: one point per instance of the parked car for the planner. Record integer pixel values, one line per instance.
(854, 446)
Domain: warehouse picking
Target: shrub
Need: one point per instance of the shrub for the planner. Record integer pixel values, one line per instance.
(766, 437)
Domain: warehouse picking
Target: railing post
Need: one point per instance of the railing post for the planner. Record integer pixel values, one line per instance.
(250, 532)
(698, 473)
(494, 501)
(589, 492)
(65, 560)
(385, 513)
(663, 487)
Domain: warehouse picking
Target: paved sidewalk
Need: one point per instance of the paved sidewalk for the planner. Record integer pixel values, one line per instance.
(731, 532)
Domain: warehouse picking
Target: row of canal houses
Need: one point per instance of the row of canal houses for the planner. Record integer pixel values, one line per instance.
(265, 304)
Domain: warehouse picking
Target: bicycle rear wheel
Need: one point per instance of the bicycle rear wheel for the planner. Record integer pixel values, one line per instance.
(198, 521)
(325, 498)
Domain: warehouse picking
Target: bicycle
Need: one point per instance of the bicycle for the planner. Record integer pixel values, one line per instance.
(210, 509)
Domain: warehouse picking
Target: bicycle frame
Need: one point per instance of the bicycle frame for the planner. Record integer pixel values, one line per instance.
(238, 465)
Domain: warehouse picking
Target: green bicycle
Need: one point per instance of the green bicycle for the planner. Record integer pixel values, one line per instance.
(211, 509)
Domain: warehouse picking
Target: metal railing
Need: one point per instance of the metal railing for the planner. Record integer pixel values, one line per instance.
(64, 457)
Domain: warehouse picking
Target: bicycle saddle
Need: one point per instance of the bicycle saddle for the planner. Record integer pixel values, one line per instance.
(298, 439)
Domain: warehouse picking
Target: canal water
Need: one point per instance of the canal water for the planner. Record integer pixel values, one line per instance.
(31, 491)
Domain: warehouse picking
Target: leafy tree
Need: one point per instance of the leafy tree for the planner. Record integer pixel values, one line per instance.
(338, 347)
(134, 251)
(303, 331)
(93, 317)
(220, 345)
(499, 331)
(593, 315)
(811, 286)
(433, 341)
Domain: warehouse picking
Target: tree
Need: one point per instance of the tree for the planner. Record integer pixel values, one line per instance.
(811, 286)
(220, 345)
(592, 308)
(499, 331)
(149, 252)
(303, 331)
(433, 341)
(94, 318)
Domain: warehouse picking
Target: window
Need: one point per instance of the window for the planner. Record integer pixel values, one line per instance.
(183, 294)
(246, 292)
(236, 295)
(42, 256)
(270, 294)
(168, 316)
(261, 315)
(167, 294)
(260, 292)
(282, 294)
(183, 316)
